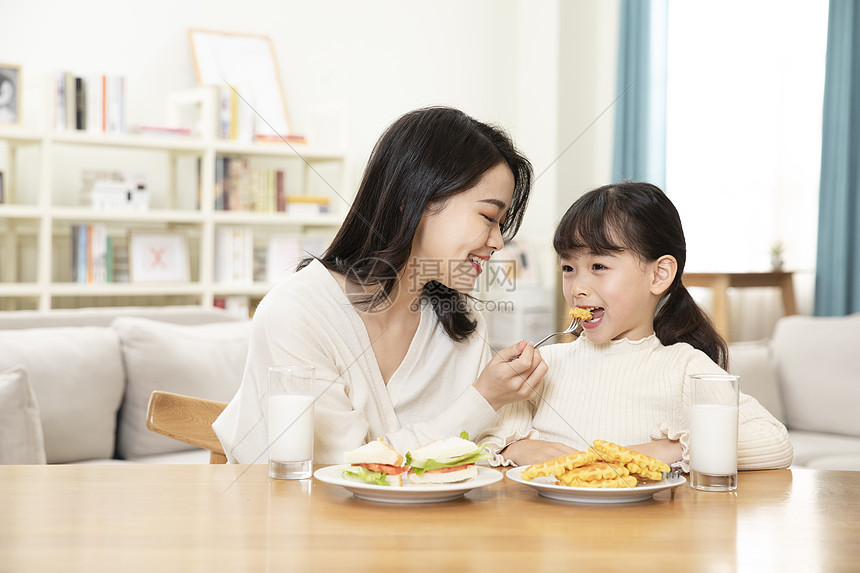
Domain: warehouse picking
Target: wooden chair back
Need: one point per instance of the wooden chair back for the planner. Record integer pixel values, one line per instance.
(187, 419)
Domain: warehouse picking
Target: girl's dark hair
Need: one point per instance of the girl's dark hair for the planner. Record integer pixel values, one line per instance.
(638, 217)
(423, 158)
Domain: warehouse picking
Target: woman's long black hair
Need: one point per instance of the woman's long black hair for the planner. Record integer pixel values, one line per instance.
(640, 218)
(425, 157)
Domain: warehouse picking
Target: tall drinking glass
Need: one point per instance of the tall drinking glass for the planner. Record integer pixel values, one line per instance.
(714, 432)
(290, 421)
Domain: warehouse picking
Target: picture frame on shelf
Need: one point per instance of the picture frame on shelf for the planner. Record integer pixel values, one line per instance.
(10, 94)
(158, 257)
(245, 68)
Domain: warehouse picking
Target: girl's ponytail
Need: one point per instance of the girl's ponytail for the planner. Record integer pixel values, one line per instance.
(681, 319)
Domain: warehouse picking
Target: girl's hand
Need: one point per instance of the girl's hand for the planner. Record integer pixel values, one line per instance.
(514, 374)
(527, 452)
(667, 451)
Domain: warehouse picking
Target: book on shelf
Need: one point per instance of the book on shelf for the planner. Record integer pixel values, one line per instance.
(118, 270)
(92, 254)
(80, 103)
(241, 186)
(234, 255)
(307, 204)
(95, 103)
(60, 101)
(236, 118)
(69, 100)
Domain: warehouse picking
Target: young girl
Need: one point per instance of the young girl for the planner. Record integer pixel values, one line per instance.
(623, 251)
(384, 315)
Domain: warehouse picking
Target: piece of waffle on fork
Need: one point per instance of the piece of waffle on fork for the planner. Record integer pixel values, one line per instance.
(580, 313)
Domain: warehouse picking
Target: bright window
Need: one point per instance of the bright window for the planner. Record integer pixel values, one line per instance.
(744, 102)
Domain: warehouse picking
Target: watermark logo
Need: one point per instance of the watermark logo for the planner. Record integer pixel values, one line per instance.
(497, 275)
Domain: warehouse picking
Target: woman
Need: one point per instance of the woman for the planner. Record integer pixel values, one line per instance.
(384, 314)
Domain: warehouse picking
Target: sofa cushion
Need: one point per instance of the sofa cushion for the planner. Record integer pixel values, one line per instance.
(21, 440)
(77, 377)
(825, 451)
(753, 362)
(819, 372)
(205, 361)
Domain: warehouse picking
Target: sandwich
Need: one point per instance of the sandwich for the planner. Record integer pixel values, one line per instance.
(376, 463)
(445, 461)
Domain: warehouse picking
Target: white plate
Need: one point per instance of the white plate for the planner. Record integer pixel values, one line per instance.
(547, 488)
(409, 492)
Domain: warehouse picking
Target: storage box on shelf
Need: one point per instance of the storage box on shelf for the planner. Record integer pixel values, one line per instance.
(37, 213)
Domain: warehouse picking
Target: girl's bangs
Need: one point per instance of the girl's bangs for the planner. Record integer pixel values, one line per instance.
(593, 232)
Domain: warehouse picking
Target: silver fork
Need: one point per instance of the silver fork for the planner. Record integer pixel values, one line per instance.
(574, 325)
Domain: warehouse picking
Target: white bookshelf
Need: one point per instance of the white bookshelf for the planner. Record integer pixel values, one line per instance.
(36, 214)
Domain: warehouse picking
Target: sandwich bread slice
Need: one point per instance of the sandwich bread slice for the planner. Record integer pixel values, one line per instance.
(445, 461)
(376, 463)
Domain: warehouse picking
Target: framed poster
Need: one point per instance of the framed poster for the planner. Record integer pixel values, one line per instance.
(245, 63)
(10, 93)
(158, 257)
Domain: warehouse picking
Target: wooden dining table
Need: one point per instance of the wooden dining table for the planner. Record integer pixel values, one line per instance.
(127, 517)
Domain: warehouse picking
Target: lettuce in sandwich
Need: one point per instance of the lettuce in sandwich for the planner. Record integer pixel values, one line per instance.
(445, 461)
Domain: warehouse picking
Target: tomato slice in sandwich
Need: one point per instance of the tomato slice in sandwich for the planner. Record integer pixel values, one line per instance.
(384, 468)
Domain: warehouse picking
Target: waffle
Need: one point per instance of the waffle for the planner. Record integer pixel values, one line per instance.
(637, 463)
(557, 466)
(604, 465)
(580, 313)
(595, 471)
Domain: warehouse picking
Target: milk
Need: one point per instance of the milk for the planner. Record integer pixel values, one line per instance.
(295, 414)
(714, 439)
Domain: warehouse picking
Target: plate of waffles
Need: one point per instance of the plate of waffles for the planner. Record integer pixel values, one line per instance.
(548, 486)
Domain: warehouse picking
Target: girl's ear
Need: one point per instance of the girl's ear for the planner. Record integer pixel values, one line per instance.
(665, 269)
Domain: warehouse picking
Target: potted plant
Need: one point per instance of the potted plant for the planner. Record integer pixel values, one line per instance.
(776, 251)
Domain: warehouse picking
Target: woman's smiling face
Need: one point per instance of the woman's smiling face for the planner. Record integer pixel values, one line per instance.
(452, 244)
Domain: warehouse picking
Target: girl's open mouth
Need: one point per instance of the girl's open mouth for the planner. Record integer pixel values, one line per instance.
(596, 316)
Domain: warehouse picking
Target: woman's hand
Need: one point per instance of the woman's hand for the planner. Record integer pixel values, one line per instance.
(513, 374)
(526, 452)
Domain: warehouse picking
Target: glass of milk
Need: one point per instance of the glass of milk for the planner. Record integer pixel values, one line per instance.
(714, 432)
(290, 421)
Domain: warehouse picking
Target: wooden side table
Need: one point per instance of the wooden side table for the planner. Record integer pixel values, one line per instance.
(721, 282)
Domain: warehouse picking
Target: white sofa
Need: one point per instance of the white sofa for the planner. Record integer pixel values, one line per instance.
(808, 375)
(74, 384)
